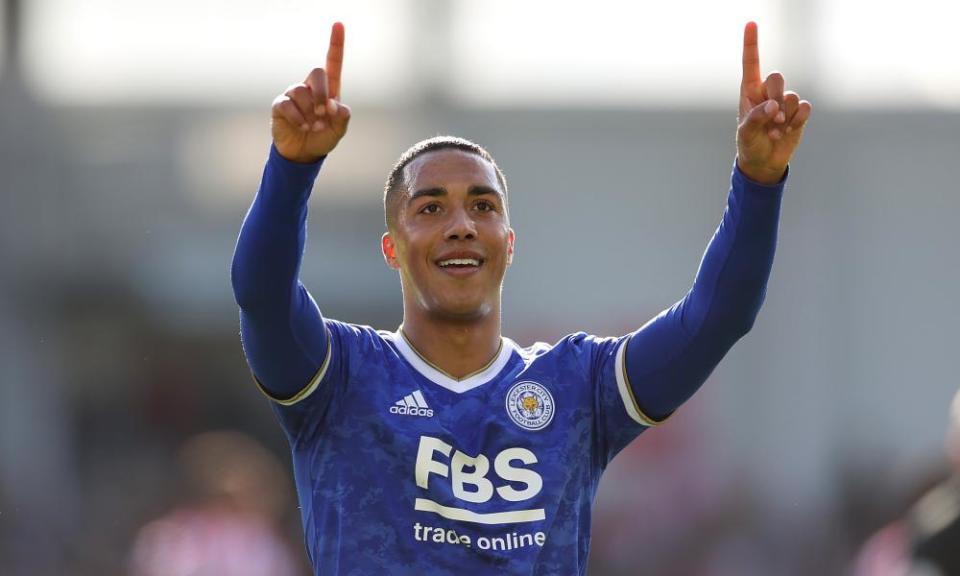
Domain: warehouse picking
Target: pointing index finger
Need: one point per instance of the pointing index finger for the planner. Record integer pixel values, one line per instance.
(335, 59)
(751, 55)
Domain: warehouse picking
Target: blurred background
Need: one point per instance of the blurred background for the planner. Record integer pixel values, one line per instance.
(133, 135)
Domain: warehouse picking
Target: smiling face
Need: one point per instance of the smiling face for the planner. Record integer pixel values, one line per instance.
(451, 239)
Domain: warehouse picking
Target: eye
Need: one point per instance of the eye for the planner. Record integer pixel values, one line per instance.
(430, 209)
(485, 206)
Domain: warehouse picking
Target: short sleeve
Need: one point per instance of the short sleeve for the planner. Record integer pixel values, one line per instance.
(619, 418)
(308, 412)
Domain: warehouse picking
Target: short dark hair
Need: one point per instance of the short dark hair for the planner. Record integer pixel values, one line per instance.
(396, 181)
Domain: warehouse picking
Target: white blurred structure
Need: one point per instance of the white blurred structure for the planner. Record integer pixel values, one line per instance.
(852, 53)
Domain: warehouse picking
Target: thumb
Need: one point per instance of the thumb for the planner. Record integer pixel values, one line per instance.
(758, 117)
(339, 114)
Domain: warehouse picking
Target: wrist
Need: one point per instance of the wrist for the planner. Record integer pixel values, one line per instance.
(300, 159)
(761, 174)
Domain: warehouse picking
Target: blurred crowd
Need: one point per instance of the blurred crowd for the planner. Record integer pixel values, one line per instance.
(925, 540)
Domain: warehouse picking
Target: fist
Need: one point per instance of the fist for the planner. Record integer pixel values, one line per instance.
(307, 120)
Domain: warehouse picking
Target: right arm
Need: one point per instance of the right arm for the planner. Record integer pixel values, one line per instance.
(283, 334)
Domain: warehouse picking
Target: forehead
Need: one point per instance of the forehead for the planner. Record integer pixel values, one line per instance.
(450, 167)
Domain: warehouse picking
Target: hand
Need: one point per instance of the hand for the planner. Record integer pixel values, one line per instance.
(308, 120)
(771, 121)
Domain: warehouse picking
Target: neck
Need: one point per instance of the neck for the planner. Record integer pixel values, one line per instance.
(456, 346)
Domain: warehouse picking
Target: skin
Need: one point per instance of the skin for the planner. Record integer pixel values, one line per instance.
(771, 121)
(453, 207)
(453, 317)
(308, 119)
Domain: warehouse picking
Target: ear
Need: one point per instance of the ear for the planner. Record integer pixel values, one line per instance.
(510, 240)
(389, 251)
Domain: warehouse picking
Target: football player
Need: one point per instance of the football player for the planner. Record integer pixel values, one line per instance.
(469, 454)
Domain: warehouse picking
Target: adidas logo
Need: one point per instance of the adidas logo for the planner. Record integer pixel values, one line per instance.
(412, 405)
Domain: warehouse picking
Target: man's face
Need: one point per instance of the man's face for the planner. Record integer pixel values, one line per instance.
(452, 241)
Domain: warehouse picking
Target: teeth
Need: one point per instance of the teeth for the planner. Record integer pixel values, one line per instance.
(460, 262)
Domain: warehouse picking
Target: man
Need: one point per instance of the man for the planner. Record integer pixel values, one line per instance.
(443, 447)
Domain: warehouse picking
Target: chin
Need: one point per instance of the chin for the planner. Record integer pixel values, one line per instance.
(463, 310)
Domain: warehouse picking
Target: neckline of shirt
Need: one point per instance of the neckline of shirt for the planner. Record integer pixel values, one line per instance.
(444, 380)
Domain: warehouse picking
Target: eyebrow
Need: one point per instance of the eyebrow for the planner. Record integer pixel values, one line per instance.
(476, 190)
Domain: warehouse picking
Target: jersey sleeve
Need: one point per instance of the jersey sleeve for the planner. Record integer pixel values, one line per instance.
(315, 408)
(298, 359)
(640, 379)
(355, 363)
(670, 357)
(282, 331)
(619, 418)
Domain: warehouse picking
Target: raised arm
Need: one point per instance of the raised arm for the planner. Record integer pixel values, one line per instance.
(673, 354)
(283, 334)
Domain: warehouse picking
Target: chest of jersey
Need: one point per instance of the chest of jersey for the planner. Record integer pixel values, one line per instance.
(493, 455)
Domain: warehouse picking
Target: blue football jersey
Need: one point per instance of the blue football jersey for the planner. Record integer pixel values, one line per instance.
(402, 469)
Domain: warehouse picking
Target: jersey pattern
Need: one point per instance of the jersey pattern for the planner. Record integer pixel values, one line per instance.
(401, 469)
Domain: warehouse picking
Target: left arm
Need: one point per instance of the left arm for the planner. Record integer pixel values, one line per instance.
(668, 359)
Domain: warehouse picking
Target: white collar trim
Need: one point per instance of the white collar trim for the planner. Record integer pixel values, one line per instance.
(507, 346)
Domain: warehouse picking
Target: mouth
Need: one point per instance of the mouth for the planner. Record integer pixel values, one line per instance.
(463, 266)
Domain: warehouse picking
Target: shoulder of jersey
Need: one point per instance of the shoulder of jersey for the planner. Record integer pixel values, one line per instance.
(531, 352)
(373, 336)
(540, 348)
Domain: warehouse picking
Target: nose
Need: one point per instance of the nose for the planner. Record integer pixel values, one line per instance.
(461, 226)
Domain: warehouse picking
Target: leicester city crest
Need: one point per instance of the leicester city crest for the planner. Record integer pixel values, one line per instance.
(530, 405)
